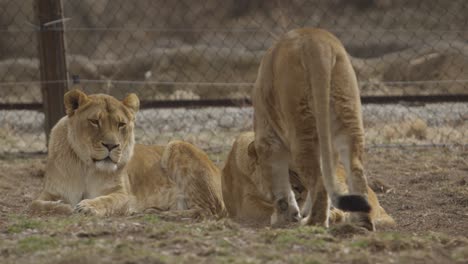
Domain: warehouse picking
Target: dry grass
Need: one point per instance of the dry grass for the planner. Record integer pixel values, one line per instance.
(148, 239)
(425, 190)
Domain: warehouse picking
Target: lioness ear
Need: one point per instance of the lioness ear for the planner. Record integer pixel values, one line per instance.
(251, 150)
(132, 102)
(73, 100)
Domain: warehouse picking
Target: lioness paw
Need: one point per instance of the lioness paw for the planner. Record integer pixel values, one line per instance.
(50, 207)
(286, 211)
(85, 207)
(363, 220)
(63, 208)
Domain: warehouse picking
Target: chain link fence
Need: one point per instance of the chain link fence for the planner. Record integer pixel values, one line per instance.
(184, 51)
(20, 130)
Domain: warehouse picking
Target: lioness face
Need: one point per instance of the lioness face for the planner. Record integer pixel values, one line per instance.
(101, 128)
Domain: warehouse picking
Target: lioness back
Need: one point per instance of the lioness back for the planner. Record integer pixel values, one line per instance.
(177, 176)
(181, 159)
(144, 177)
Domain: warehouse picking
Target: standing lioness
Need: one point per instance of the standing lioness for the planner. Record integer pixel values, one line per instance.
(308, 113)
(94, 166)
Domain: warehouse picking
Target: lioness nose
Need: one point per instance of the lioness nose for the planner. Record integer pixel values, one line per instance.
(110, 146)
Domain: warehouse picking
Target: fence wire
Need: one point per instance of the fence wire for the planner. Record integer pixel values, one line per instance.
(192, 50)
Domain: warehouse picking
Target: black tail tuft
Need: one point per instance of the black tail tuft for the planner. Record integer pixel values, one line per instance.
(353, 203)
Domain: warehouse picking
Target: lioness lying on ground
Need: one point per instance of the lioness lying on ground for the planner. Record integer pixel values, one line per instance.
(308, 113)
(94, 166)
(245, 191)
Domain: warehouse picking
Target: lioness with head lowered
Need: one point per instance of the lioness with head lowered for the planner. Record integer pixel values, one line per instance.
(245, 190)
(94, 166)
(307, 112)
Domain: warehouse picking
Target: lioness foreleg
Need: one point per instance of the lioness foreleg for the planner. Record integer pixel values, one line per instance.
(48, 203)
(274, 167)
(111, 204)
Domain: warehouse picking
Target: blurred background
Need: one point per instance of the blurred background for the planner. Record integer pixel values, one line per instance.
(193, 63)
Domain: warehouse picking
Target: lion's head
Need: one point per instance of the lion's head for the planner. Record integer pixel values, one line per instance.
(100, 128)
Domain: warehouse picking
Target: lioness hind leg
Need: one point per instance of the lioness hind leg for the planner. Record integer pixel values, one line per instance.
(274, 166)
(316, 208)
(319, 207)
(351, 150)
(349, 141)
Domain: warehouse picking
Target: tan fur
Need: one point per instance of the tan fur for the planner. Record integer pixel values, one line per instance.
(308, 114)
(245, 191)
(83, 175)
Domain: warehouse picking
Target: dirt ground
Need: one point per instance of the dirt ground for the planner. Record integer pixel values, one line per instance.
(424, 189)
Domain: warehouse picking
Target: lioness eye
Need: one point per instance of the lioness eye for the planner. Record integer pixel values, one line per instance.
(121, 125)
(94, 122)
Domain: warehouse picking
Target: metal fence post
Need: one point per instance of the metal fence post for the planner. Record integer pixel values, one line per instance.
(52, 57)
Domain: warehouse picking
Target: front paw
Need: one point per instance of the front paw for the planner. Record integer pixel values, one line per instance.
(86, 207)
(63, 208)
(50, 207)
(285, 211)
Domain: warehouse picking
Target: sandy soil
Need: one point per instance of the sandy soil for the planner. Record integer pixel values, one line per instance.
(424, 189)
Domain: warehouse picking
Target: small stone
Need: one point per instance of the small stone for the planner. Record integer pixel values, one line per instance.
(226, 122)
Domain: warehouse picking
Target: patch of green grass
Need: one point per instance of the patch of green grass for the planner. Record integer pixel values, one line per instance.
(124, 248)
(394, 242)
(223, 243)
(266, 255)
(307, 259)
(88, 241)
(150, 219)
(287, 239)
(130, 250)
(460, 254)
(307, 236)
(360, 244)
(21, 224)
(36, 243)
(62, 223)
(228, 259)
(390, 236)
(436, 237)
(213, 228)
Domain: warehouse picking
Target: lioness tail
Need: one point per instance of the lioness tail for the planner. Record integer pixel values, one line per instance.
(319, 60)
